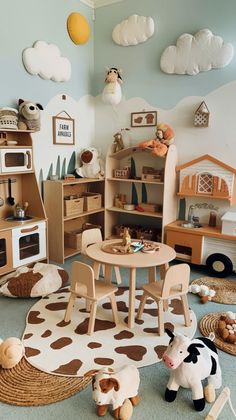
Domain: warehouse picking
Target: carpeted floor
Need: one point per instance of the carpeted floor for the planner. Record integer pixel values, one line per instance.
(153, 378)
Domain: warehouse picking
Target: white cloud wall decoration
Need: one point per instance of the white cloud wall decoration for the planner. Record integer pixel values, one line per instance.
(133, 31)
(45, 60)
(195, 53)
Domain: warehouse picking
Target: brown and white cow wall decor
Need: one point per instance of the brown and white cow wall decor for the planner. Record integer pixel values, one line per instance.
(114, 388)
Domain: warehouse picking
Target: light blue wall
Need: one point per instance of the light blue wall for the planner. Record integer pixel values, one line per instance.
(140, 64)
(26, 21)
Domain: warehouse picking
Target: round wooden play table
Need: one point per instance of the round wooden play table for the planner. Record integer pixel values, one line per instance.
(139, 259)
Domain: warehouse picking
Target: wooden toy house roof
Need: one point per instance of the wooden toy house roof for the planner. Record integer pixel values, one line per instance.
(206, 157)
(203, 108)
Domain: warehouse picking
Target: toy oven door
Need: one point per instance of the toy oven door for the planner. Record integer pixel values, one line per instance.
(28, 243)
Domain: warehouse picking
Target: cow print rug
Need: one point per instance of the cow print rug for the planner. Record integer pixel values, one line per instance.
(60, 348)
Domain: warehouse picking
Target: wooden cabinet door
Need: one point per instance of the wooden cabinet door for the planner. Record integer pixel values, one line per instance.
(5, 251)
(187, 240)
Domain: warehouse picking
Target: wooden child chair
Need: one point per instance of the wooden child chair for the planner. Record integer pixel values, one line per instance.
(174, 285)
(84, 285)
(92, 236)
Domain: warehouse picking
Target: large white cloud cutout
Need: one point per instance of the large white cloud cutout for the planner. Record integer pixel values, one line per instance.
(195, 53)
(46, 61)
(133, 31)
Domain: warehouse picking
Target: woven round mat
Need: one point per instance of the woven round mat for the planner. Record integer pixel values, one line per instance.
(225, 289)
(209, 324)
(24, 385)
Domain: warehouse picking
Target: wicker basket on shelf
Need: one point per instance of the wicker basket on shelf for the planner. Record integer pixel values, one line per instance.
(8, 118)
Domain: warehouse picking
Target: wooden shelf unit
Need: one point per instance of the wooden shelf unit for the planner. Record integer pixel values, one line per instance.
(162, 193)
(54, 193)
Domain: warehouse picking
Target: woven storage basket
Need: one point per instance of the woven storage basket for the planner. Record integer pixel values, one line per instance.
(73, 205)
(8, 118)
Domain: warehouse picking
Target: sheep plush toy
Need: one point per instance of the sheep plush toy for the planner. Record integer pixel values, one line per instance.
(119, 388)
(11, 352)
(203, 291)
(92, 164)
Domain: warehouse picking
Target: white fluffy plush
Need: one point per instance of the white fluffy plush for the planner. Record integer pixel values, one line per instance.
(133, 31)
(195, 53)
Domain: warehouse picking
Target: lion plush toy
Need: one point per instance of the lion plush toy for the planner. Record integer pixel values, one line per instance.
(92, 164)
(159, 145)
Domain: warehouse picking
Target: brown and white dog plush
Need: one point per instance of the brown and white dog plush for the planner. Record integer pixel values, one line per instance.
(115, 387)
(92, 165)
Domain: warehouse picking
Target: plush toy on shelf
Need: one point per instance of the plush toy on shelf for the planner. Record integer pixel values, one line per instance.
(92, 165)
(117, 143)
(11, 352)
(202, 291)
(112, 93)
(159, 145)
(29, 115)
(116, 388)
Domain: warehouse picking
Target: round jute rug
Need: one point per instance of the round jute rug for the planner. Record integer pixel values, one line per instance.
(24, 385)
(209, 324)
(225, 289)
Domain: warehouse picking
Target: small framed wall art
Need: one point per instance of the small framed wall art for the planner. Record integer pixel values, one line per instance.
(63, 129)
(144, 119)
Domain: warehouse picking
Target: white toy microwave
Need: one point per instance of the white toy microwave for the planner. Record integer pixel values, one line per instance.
(15, 160)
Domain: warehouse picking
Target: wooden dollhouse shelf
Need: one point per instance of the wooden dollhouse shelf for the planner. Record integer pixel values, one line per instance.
(217, 197)
(139, 213)
(85, 213)
(5, 130)
(140, 181)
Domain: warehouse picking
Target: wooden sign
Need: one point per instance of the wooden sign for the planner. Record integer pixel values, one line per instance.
(63, 130)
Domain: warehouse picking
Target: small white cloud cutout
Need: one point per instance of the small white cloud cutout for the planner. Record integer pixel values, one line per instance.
(133, 31)
(46, 61)
(195, 53)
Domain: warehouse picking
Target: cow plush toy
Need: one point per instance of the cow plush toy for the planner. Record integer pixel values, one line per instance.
(191, 361)
(92, 164)
(115, 388)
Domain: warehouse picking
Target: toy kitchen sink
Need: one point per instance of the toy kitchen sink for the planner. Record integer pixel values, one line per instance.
(203, 245)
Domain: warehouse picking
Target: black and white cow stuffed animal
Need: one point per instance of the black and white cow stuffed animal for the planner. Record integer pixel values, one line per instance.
(191, 361)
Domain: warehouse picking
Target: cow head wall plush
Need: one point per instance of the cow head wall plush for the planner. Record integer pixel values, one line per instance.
(29, 115)
(112, 91)
(11, 352)
(190, 362)
(116, 387)
(92, 165)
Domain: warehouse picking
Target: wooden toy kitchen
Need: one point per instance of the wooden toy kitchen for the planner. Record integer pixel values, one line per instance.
(23, 223)
(210, 239)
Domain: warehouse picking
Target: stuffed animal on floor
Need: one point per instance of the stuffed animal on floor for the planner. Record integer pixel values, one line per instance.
(203, 291)
(92, 164)
(116, 387)
(159, 145)
(11, 352)
(29, 115)
(112, 91)
(192, 361)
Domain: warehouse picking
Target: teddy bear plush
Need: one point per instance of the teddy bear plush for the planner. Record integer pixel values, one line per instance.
(92, 165)
(29, 115)
(159, 145)
(11, 352)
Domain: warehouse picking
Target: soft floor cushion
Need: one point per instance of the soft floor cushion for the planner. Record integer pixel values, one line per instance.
(40, 280)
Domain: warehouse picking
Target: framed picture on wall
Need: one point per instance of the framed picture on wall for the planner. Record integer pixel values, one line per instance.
(63, 130)
(143, 119)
